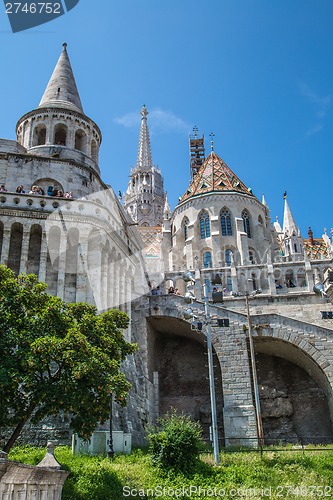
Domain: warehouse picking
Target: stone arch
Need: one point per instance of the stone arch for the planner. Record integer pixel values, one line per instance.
(35, 242)
(309, 417)
(49, 186)
(15, 247)
(177, 357)
(39, 135)
(80, 140)
(60, 134)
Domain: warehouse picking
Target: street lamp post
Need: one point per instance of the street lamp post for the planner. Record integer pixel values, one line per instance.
(188, 314)
(254, 376)
(211, 377)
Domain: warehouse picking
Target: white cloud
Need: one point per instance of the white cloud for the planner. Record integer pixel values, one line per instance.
(321, 106)
(158, 120)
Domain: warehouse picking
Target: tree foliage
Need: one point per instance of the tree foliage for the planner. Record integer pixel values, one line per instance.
(57, 356)
(175, 443)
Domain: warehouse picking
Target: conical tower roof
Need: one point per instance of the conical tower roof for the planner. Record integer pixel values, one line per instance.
(289, 224)
(215, 176)
(61, 91)
(144, 153)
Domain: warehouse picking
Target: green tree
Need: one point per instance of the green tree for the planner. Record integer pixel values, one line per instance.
(57, 357)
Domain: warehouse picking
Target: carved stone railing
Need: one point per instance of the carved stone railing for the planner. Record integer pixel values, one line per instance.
(42, 482)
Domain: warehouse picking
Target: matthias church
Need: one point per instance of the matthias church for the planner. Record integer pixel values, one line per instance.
(62, 222)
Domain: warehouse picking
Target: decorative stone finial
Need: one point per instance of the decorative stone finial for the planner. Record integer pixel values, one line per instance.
(144, 111)
(64, 45)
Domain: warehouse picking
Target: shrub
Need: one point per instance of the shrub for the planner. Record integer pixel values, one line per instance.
(176, 442)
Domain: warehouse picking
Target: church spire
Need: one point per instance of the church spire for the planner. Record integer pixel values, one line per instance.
(61, 91)
(144, 152)
(289, 224)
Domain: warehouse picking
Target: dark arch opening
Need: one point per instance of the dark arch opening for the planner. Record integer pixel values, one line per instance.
(294, 394)
(179, 356)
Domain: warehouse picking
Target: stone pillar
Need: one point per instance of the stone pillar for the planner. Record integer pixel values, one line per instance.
(82, 284)
(110, 277)
(122, 287)
(24, 250)
(62, 266)
(5, 245)
(43, 258)
(242, 241)
(239, 417)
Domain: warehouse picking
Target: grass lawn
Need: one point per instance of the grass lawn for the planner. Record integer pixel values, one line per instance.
(282, 474)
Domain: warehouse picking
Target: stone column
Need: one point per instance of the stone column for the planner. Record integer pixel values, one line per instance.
(24, 250)
(5, 245)
(82, 284)
(43, 258)
(62, 266)
(239, 416)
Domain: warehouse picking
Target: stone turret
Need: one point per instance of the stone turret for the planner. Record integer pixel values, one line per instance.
(59, 127)
(145, 197)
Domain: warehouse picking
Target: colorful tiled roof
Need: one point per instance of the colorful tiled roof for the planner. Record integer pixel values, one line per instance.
(152, 239)
(317, 249)
(215, 176)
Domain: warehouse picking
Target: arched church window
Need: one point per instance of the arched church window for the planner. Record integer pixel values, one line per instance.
(260, 219)
(80, 140)
(228, 256)
(226, 222)
(207, 259)
(60, 134)
(246, 222)
(39, 136)
(185, 226)
(251, 257)
(204, 225)
(229, 283)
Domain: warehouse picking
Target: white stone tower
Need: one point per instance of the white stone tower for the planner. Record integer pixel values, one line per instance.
(145, 197)
(58, 127)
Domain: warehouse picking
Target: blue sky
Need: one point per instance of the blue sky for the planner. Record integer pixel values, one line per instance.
(258, 73)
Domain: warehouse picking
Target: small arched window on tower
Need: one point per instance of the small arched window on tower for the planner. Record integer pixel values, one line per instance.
(246, 222)
(254, 281)
(39, 136)
(81, 141)
(226, 223)
(251, 257)
(228, 255)
(185, 226)
(60, 134)
(207, 259)
(94, 153)
(204, 225)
